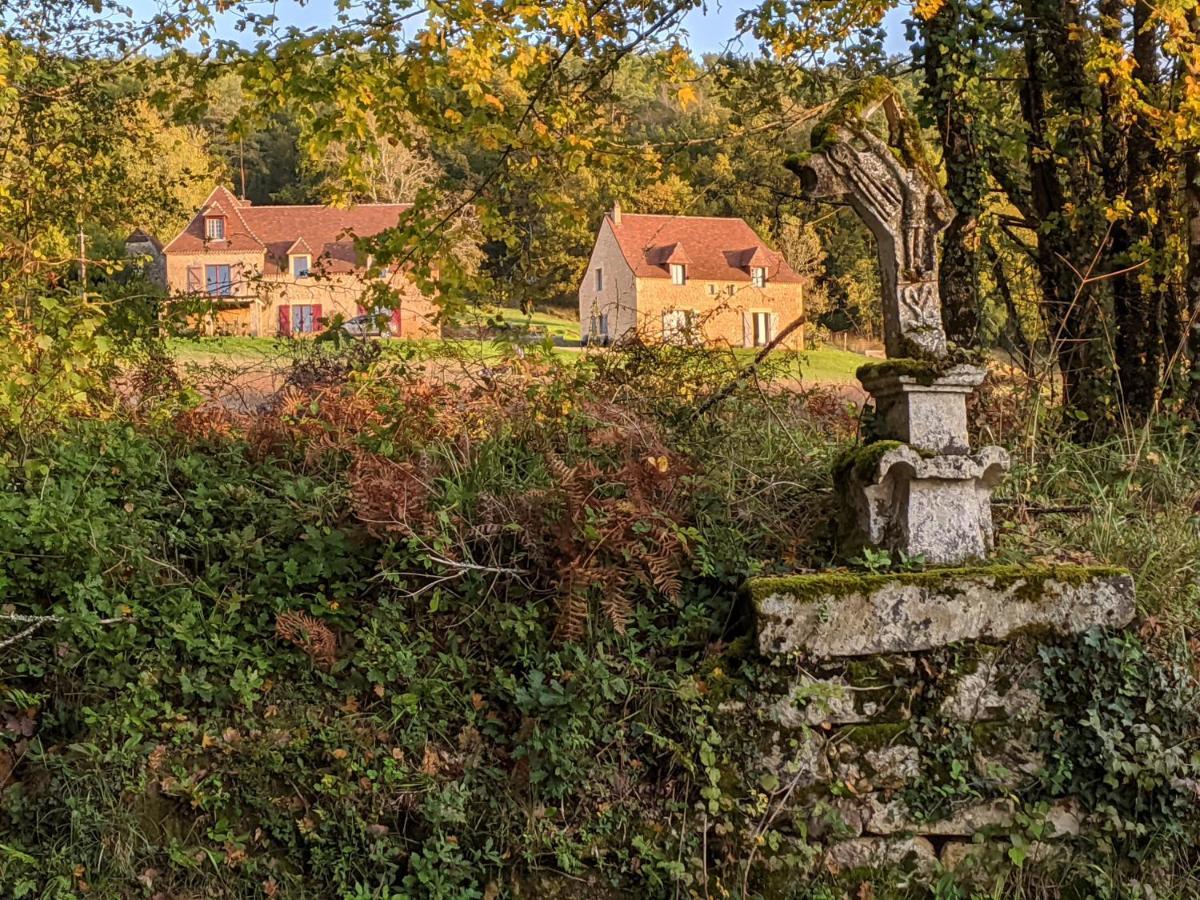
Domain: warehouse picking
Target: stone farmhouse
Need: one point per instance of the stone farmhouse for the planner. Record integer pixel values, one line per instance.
(286, 270)
(687, 278)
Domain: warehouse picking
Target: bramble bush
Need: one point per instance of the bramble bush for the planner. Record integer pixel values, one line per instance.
(402, 635)
(384, 634)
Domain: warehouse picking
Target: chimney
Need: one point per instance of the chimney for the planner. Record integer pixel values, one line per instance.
(615, 215)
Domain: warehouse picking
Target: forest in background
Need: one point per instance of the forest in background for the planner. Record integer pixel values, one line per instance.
(1066, 134)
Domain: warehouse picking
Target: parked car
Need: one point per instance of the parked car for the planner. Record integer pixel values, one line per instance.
(368, 325)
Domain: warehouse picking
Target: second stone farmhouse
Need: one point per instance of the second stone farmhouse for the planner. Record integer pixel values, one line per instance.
(693, 279)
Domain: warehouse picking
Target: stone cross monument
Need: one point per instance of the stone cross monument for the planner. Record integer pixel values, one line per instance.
(917, 490)
(895, 192)
(861, 688)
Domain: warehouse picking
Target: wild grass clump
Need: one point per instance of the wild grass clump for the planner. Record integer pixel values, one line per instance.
(1133, 506)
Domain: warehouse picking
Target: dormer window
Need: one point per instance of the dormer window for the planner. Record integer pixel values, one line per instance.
(678, 273)
(758, 276)
(300, 264)
(214, 228)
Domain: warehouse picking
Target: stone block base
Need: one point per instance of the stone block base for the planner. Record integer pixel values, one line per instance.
(836, 615)
(937, 507)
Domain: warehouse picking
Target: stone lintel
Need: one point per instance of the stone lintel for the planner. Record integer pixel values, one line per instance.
(836, 615)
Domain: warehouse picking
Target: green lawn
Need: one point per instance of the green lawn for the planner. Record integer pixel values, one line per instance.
(204, 349)
(553, 324)
(826, 365)
(831, 365)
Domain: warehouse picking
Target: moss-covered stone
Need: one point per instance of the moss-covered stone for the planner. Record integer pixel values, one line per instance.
(840, 583)
(850, 614)
(862, 461)
(873, 736)
(925, 371)
(851, 108)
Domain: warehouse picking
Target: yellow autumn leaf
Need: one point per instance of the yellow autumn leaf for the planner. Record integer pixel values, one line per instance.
(927, 9)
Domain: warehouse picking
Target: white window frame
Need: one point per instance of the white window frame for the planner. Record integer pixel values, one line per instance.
(213, 225)
(678, 273)
(758, 275)
(680, 325)
(295, 258)
(599, 279)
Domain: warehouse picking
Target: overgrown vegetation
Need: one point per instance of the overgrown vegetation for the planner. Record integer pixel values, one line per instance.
(393, 635)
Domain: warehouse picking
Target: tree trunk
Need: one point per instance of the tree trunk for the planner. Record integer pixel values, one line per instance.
(1138, 314)
(1191, 199)
(946, 60)
(1070, 315)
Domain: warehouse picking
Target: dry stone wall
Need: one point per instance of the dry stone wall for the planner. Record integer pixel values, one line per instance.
(916, 763)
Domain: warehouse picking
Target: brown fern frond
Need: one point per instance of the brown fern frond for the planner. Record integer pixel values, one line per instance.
(617, 608)
(390, 497)
(570, 481)
(311, 635)
(572, 617)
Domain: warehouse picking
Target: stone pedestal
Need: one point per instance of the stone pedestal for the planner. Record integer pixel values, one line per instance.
(919, 491)
(926, 411)
(935, 507)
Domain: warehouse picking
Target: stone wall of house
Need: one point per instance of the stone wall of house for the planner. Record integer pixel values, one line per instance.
(722, 316)
(343, 294)
(721, 308)
(617, 300)
(257, 298)
(250, 263)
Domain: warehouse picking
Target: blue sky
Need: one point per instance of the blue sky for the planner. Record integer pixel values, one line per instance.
(708, 31)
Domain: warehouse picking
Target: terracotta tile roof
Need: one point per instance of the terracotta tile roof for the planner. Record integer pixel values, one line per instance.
(325, 230)
(714, 249)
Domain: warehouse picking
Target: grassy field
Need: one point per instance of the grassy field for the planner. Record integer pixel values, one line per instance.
(822, 366)
(553, 325)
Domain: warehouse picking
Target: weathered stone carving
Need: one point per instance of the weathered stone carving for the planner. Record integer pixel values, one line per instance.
(895, 192)
(930, 497)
